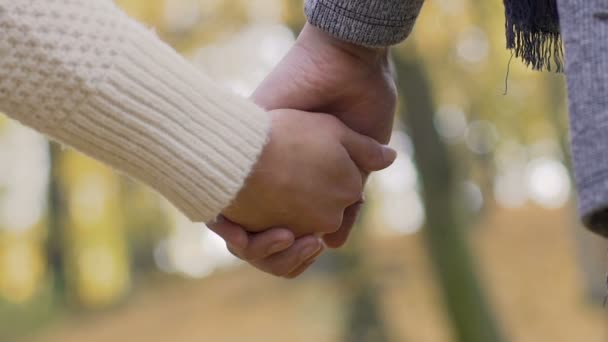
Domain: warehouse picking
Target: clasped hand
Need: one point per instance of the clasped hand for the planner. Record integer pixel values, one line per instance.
(306, 190)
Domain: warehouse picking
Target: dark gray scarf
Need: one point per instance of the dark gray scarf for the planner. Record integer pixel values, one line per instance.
(533, 33)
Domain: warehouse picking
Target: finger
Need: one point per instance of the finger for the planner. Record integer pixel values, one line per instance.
(331, 222)
(339, 238)
(283, 263)
(236, 237)
(264, 244)
(302, 268)
(249, 247)
(367, 153)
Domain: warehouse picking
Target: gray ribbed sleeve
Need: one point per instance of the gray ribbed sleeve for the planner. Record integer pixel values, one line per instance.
(584, 26)
(365, 22)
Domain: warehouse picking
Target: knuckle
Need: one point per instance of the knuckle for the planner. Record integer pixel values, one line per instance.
(355, 197)
(333, 123)
(355, 190)
(233, 251)
(245, 255)
(330, 225)
(332, 120)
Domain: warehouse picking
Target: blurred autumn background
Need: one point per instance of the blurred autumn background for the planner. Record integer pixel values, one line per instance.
(497, 255)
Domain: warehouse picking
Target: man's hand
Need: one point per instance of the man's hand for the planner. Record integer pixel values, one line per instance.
(320, 73)
(354, 83)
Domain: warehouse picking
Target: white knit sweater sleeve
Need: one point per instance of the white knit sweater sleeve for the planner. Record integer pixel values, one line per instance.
(85, 74)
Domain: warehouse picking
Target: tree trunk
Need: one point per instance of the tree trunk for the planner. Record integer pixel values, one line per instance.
(471, 318)
(55, 225)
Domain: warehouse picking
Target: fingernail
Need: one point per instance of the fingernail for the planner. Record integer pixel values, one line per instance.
(309, 252)
(277, 247)
(389, 154)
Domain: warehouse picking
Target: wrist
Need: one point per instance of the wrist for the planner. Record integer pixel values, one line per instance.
(319, 39)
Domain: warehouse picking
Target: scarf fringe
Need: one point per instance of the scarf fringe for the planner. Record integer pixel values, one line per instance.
(538, 50)
(533, 33)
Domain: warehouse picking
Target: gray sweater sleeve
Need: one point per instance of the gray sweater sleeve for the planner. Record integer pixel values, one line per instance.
(584, 25)
(365, 22)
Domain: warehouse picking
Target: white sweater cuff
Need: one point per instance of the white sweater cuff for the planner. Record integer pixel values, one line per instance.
(159, 119)
(105, 85)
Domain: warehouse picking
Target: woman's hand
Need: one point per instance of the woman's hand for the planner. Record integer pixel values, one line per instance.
(308, 174)
(317, 160)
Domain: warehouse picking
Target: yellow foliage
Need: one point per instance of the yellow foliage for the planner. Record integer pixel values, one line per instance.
(22, 268)
(99, 260)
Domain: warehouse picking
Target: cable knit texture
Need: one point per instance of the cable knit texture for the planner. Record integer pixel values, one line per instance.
(365, 22)
(85, 74)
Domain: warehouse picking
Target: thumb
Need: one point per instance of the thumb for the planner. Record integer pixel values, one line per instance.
(367, 153)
